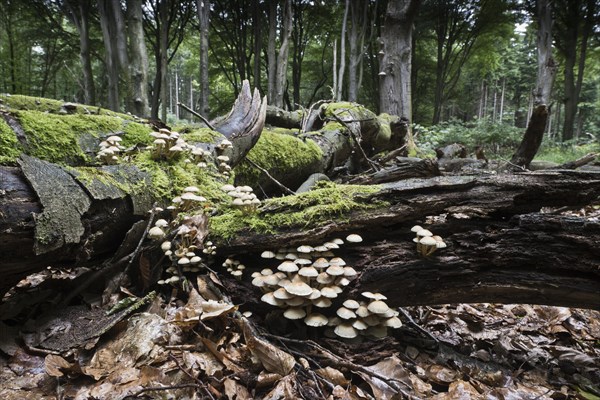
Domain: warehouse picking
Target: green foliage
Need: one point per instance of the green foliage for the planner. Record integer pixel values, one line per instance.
(563, 152)
(498, 140)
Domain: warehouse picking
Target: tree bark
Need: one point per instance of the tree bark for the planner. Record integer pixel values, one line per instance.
(111, 57)
(79, 13)
(342, 68)
(163, 7)
(395, 83)
(279, 81)
(139, 58)
(203, 9)
(356, 41)
(534, 134)
(500, 248)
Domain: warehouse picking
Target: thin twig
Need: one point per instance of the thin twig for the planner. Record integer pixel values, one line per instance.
(186, 108)
(373, 164)
(281, 185)
(391, 382)
(417, 326)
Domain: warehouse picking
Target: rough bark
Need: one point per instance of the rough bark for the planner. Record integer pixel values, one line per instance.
(203, 9)
(139, 58)
(79, 14)
(60, 215)
(500, 248)
(282, 56)
(395, 83)
(163, 17)
(111, 57)
(532, 139)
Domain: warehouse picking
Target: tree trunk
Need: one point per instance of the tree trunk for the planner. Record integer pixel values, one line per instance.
(163, 16)
(272, 53)
(282, 55)
(532, 139)
(79, 14)
(395, 84)
(203, 8)
(356, 40)
(342, 68)
(111, 56)
(139, 58)
(498, 244)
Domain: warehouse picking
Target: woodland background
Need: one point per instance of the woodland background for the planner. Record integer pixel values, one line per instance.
(473, 62)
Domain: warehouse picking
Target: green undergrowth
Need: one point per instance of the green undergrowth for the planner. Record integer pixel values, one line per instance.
(561, 153)
(326, 202)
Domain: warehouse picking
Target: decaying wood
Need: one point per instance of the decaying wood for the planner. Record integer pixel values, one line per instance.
(499, 247)
(532, 139)
(404, 168)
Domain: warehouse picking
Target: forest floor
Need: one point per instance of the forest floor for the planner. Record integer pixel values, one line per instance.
(205, 349)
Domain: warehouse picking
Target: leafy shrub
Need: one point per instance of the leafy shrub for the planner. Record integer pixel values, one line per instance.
(497, 140)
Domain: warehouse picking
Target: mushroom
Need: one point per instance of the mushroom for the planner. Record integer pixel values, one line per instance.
(354, 238)
(346, 331)
(294, 313)
(155, 233)
(316, 320)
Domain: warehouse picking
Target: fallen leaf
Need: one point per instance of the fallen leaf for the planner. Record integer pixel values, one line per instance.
(285, 389)
(271, 357)
(333, 375)
(54, 364)
(392, 370)
(235, 391)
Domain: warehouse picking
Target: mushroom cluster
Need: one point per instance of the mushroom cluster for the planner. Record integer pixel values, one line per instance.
(306, 278)
(182, 252)
(157, 232)
(167, 145)
(243, 197)
(234, 267)
(110, 150)
(224, 145)
(370, 317)
(427, 242)
(188, 200)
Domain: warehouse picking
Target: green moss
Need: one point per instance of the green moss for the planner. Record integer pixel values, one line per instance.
(280, 154)
(326, 202)
(19, 102)
(136, 133)
(202, 135)
(10, 148)
(340, 109)
(55, 138)
(170, 178)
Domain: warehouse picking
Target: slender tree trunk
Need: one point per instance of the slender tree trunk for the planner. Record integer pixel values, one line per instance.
(395, 84)
(282, 57)
(501, 112)
(203, 8)
(272, 52)
(164, 45)
(534, 133)
(139, 58)
(111, 53)
(356, 42)
(342, 69)
(79, 13)
(256, 18)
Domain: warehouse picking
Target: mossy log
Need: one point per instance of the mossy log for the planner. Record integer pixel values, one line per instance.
(500, 248)
(56, 210)
(333, 139)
